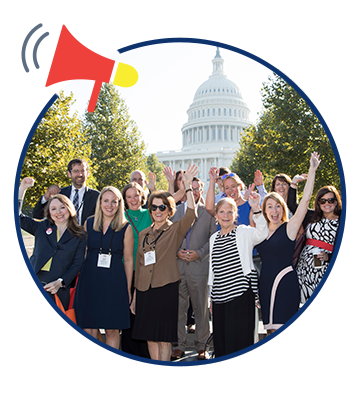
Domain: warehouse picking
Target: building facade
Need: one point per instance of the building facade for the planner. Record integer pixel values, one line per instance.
(216, 117)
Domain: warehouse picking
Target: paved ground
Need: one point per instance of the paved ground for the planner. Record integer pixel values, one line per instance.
(190, 352)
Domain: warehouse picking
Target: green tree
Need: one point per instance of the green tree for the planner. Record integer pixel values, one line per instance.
(58, 139)
(285, 135)
(154, 165)
(116, 144)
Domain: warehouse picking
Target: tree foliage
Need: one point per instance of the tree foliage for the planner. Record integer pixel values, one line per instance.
(117, 148)
(285, 135)
(154, 165)
(57, 140)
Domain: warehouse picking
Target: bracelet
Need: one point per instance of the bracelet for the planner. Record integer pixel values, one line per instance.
(188, 190)
(292, 183)
(257, 212)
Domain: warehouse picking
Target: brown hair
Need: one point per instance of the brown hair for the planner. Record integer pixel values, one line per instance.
(201, 184)
(176, 187)
(166, 198)
(138, 188)
(282, 178)
(275, 196)
(73, 226)
(318, 214)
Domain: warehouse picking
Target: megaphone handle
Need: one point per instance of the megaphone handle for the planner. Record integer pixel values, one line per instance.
(94, 96)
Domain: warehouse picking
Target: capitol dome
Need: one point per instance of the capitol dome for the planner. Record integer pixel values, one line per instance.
(216, 118)
(218, 112)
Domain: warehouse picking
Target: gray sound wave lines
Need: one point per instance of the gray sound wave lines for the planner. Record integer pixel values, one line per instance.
(23, 50)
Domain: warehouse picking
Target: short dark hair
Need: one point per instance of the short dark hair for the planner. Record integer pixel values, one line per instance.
(282, 178)
(223, 171)
(77, 161)
(166, 197)
(195, 178)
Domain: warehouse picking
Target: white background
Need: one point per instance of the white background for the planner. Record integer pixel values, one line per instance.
(316, 45)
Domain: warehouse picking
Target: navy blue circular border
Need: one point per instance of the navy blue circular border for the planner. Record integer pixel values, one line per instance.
(342, 219)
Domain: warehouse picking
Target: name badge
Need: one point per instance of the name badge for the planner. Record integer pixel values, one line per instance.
(104, 260)
(149, 258)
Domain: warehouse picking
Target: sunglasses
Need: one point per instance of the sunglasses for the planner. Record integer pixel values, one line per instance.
(330, 201)
(227, 175)
(161, 207)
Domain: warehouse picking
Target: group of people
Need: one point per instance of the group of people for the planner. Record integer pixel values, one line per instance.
(137, 257)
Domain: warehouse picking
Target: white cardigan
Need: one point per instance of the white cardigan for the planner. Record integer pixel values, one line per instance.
(247, 238)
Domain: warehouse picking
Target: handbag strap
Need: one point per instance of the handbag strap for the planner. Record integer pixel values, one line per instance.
(130, 220)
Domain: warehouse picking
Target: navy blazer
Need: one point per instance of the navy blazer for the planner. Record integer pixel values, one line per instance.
(89, 203)
(67, 254)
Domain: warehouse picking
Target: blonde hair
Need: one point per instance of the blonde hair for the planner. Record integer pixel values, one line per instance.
(119, 219)
(279, 199)
(236, 178)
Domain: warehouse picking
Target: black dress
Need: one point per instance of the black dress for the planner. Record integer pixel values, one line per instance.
(102, 299)
(279, 290)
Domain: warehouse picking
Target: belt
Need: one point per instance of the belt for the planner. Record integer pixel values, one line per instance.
(321, 244)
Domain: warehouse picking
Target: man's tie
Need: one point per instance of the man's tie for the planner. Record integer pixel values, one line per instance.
(76, 203)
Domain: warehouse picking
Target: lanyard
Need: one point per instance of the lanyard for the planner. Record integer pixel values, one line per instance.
(112, 235)
(153, 242)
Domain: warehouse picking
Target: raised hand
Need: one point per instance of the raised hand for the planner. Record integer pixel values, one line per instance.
(258, 179)
(189, 174)
(27, 183)
(214, 173)
(254, 201)
(315, 160)
(152, 181)
(248, 191)
(52, 190)
(299, 178)
(169, 174)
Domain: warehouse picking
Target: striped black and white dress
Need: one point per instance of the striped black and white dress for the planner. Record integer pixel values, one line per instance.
(229, 280)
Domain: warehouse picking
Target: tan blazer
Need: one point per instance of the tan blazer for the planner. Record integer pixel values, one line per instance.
(165, 270)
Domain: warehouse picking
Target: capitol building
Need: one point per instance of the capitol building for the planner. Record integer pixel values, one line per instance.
(216, 117)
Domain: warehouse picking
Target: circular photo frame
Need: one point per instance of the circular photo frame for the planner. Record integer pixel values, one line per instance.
(189, 41)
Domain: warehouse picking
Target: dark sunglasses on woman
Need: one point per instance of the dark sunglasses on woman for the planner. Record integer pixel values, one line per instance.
(161, 207)
(330, 201)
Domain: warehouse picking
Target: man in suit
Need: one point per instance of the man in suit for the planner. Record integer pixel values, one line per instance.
(83, 198)
(193, 262)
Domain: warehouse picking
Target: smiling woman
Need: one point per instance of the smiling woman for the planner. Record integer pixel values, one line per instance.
(278, 285)
(157, 276)
(103, 293)
(59, 244)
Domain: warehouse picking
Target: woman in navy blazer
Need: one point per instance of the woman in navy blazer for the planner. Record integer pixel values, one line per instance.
(59, 244)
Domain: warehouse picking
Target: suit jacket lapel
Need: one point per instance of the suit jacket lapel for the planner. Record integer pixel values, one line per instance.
(66, 236)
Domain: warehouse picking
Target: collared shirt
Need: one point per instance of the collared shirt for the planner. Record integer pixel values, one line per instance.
(72, 193)
(165, 270)
(81, 193)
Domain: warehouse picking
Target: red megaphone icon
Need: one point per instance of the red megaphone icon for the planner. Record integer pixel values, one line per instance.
(72, 60)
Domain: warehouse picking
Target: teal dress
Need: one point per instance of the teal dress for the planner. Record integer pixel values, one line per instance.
(139, 220)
